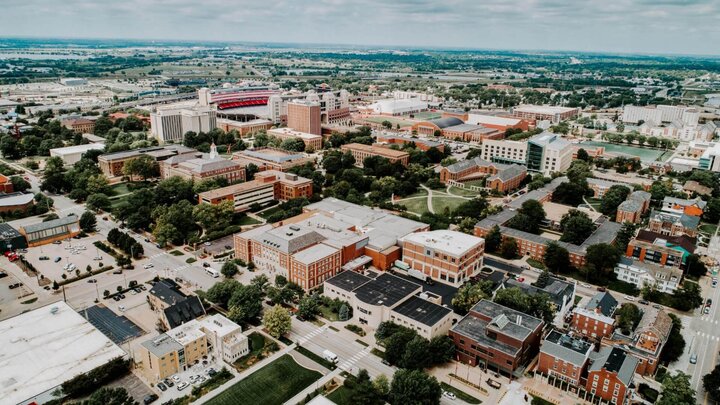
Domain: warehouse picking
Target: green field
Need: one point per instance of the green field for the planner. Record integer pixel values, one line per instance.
(426, 115)
(273, 384)
(645, 154)
(440, 203)
(416, 205)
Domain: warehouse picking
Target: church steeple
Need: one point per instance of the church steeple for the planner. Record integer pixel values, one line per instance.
(213, 151)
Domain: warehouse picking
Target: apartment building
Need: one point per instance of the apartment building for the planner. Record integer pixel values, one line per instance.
(314, 142)
(693, 207)
(244, 128)
(190, 343)
(112, 164)
(500, 123)
(170, 123)
(201, 166)
(611, 375)
(272, 159)
(651, 247)
(632, 209)
(496, 338)
(304, 116)
(454, 128)
(361, 152)
(554, 114)
(498, 176)
(673, 224)
(596, 319)
(448, 256)
(172, 306)
(79, 125)
(646, 342)
(561, 293)
(390, 298)
(334, 105)
(662, 278)
(267, 186)
(662, 113)
(546, 153)
(710, 158)
(564, 356)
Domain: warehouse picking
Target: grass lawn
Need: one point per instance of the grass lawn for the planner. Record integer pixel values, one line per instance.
(246, 220)
(116, 201)
(273, 384)
(265, 214)
(463, 192)
(536, 264)
(176, 253)
(440, 203)
(328, 314)
(259, 349)
(341, 396)
(460, 394)
(416, 205)
(595, 202)
(317, 359)
(119, 189)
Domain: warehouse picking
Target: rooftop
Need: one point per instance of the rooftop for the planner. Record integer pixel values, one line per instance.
(161, 345)
(186, 333)
(70, 219)
(167, 291)
(269, 154)
(156, 151)
(558, 290)
(566, 347)
(492, 120)
(289, 238)
(348, 280)
(44, 347)
(68, 150)
(446, 122)
(450, 242)
(422, 310)
(12, 199)
(543, 109)
(314, 253)
(376, 150)
(219, 325)
(386, 290)
(603, 302)
(615, 360)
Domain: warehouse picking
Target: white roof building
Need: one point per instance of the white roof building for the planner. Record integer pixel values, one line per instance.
(451, 242)
(72, 154)
(43, 348)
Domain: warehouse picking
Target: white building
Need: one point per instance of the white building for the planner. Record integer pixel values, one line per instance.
(398, 107)
(334, 105)
(644, 274)
(72, 154)
(544, 153)
(662, 113)
(504, 151)
(447, 256)
(170, 123)
(225, 338)
(45, 347)
(73, 81)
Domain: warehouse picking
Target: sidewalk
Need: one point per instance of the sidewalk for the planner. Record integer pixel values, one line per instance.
(473, 374)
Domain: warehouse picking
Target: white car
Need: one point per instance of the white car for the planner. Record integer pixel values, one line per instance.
(449, 395)
(208, 243)
(629, 298)
(97, 258)
(148, 266)
(121, 308)
(182, 385)
(176, 378)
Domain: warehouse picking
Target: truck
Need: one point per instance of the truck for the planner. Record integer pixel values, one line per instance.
(330, 356)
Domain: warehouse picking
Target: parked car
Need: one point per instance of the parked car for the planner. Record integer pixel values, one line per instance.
(693, 358)
(206, 264)
(657, 306)
(169, 382)
(44, 258)
(211, 372)
(708, 302)
(706, 310)
(117, 272)
(150, 399)
(182, 385)
(161, 386)
(207, 243)
(601, 289)
(57, 259)
(92, 280)
(176, 378)
(644, 302)
(449, 395)
(57, 242)
(629, 298)
(148, 266)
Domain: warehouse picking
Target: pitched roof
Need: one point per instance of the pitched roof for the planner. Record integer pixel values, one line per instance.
(604, 302)
(184, 311)
(615, 360)
(570, 349)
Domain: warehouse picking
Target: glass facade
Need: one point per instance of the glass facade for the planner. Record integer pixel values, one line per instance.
(534, 157)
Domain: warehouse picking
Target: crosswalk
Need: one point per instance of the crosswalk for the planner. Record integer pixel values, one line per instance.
(303, 339)
(709, 336)
(347, 365)
(157, 255)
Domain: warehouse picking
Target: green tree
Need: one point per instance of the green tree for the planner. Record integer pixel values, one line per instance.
(628, 316)
(54, 175)
(528, 217)
(213, 217)
(277, 321)
(144, 166)
(470, 294)
(600, 261)
(309, 307)
(626, 233)
(538, 305)
(576, 227)
(543, 279)
(247, 299)
(612, 199)
(711, 383)
(695, 266)
(556, 258)
(677, 390)
(583, 155)
(364, 391)
(229, 269)
(88, 222)
(688, 296)
(493, 239)
(19, 184)
(675, 344)
(414, 387)
(98, 202)
(221, 292)
(109, 396)
(508, 248)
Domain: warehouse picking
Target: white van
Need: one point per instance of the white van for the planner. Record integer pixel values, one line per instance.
(330, 356)
(212, 272)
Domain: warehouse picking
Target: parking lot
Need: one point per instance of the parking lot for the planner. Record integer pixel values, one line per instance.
(67, 257)
(188, 377)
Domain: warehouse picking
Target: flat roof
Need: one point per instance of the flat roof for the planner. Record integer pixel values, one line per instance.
(270, 154)
(543, 109)
(568, 348)
(70, 219)
(348, 280)
(386, 290)
(12, 199)
(161, 345)
(451, 242)
(47, 346)
(234, 189)
(68, 150)
(187, 332)
(421, 310)
(314, 253)
(375, 150)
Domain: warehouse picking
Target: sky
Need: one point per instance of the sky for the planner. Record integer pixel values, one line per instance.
(628, 26)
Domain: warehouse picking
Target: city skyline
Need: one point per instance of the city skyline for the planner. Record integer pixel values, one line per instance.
(669, 26)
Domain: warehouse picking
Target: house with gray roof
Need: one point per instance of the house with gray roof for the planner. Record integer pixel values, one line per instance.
(564, 356)
(673, 223)
(611, 375)
(499, 176)
(561, 293)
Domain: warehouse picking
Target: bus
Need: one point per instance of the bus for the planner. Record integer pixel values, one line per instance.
(212, 272)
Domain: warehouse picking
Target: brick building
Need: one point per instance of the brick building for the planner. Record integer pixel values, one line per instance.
(611, 375)
(79, 125)
(267, 186)
(420, 143)
(50, 231)
(112, 164)
(500, 177)
(564, 356)
(304, 116)
(554, 114)
(496, 338)
(244, 128)
(448, 256)
(659, 249)
(6, 185)
(201, 166)
(311, 141)
(595, 320)
(272, 159)
(360, 152)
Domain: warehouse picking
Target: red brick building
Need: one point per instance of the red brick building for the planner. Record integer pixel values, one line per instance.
(564, 357)
(361, 151)
(500, 177)
(496, 338)
(6, 185)
(595, 320)
(80, 125)
(611, 375)
(660, 249)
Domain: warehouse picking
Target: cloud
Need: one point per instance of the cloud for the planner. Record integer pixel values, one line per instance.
(672, 26)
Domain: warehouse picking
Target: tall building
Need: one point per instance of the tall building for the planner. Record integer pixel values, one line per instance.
(304, 116)
(554, 114)
(448, 256)
(544, 153)
(334, 105)
(170, 123)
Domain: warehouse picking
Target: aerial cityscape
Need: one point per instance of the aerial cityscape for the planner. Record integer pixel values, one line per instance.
(344, 202)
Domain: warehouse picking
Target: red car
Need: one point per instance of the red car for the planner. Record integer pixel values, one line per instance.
(521, 279)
